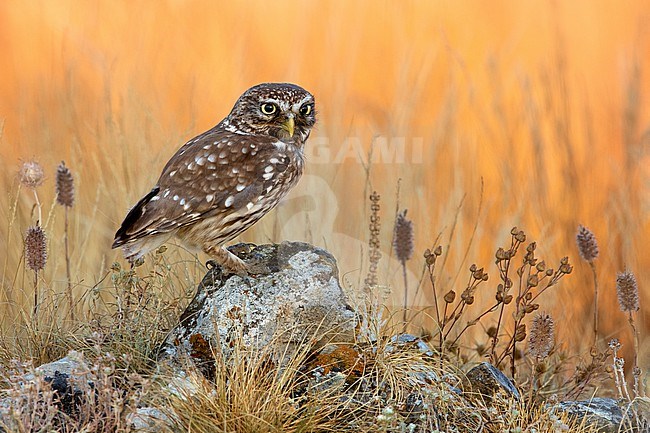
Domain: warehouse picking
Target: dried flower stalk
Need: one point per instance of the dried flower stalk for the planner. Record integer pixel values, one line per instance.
(374, 250)
(65, 197)
(404, 245)
(35, 255)
(588, 248)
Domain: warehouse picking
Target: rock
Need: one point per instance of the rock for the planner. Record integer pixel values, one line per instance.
(73, 364)
(68, 379)
(148, 420)
(489, 380)
(601, 412)
(405, 341)
(38, 397)
(610, 416)
(296, 298)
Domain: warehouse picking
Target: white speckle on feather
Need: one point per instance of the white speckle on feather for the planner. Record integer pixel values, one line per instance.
(274, 160)
(172, 173)
(222, 154)
(240, 187)
(155, 197)
(267, 176)
(186, 207)
(191, 166)
(250, 205)
(175, 198)
(229, 201)
(209, 197)
(182, 202)
(235, 170)
(212, 157)
(166, 194)
(200, 160)
(268, 169)
(244, 149)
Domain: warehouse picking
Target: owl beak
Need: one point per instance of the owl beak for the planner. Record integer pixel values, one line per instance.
(289, 126)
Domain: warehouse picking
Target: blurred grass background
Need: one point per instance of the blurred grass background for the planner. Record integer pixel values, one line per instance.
(543, 103)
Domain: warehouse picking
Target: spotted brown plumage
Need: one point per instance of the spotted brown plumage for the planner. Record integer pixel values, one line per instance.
(221, 182)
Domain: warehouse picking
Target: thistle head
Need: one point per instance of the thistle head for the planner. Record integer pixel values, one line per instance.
(403, 240)
(540, 341)
(587, 244)
(627, 290)
(35, 248)
(64, 186)
(31, 174)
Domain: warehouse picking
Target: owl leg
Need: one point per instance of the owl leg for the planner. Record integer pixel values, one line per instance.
(227, 260)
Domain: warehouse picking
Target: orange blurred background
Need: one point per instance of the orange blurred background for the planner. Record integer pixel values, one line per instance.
(544, 103)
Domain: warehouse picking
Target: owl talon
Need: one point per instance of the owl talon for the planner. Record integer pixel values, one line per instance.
(229, 263)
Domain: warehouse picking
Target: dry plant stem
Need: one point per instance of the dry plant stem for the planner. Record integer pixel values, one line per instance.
(636, 338)
(474, 322)
(406, 297)
(38, 207)
(430, 269)
(12, 219)
(456, 313)
(510, 348)
(503, 274)
(35, 294)
(67, 265)
(592, 265)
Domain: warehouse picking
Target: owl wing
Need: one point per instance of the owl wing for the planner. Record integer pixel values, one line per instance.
(215, 173)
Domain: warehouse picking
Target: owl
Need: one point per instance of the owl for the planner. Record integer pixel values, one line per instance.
(223, 181)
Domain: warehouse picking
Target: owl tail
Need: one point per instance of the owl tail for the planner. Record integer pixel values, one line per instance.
(133, 244)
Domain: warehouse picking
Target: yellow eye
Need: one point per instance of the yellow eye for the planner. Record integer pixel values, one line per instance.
(268, 108)
(305, 110)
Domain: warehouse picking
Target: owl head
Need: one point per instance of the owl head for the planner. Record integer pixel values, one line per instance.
(281, 110)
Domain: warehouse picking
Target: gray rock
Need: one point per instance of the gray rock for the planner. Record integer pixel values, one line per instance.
(39, 396)
(148, 420)
(296, 297)
(406, 341)
(609, 415)
(73, 364)
(488, 380)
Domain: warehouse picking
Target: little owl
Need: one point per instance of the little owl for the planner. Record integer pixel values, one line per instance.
(223, 181)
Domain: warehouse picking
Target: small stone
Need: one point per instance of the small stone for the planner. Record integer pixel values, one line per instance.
(489, 380)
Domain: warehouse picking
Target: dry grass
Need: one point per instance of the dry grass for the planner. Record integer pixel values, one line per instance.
(536, 118)
(518, 105)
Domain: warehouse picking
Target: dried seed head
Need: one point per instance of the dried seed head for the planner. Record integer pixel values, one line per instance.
(540, 341)
(374, 245)
(35, 248)
(64, 186)
(403, 241)
(450, 296)
(31, 174)
(628, 291)
(587, 244)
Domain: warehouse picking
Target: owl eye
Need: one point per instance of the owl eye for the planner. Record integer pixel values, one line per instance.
(268, 108)
(305, 110)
